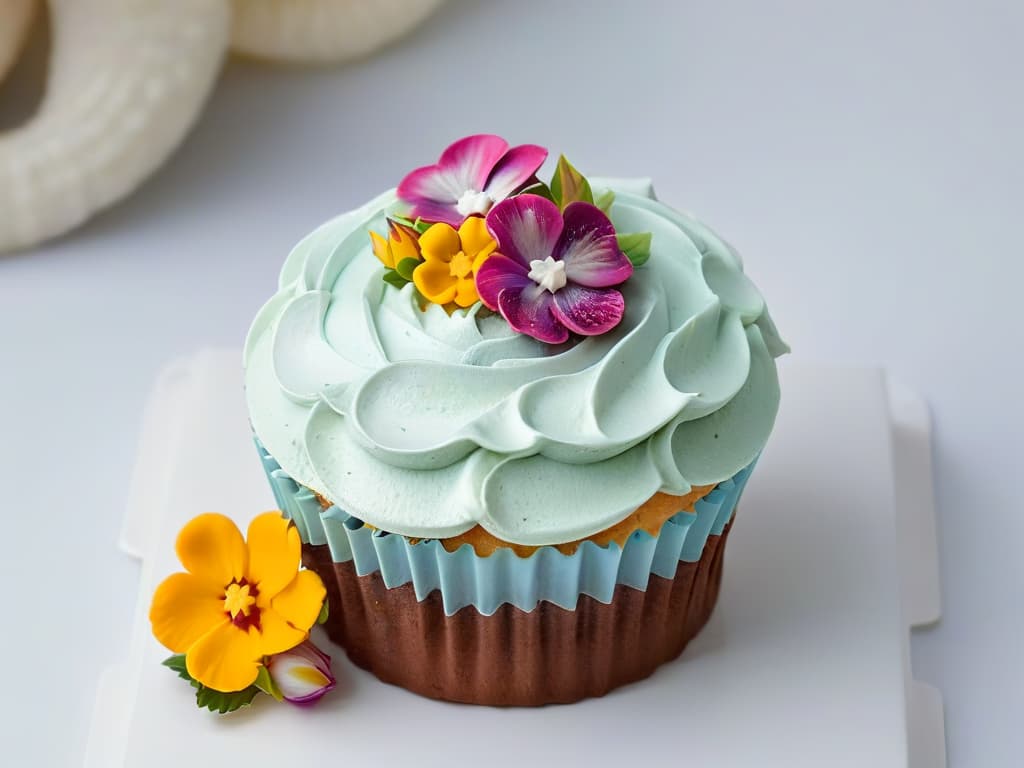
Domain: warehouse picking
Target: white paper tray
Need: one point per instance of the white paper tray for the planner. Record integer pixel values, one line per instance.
(804, 663)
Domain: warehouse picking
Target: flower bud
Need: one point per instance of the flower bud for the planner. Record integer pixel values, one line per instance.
(303, 674)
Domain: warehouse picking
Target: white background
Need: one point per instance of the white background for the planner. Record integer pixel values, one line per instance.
(865, 157)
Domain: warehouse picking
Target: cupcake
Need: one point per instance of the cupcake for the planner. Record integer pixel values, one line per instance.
(511, 421)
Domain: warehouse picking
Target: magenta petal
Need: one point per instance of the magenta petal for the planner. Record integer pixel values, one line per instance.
(498, 273)
(589, 249)
(471, 160)
(588, 311)
(526, 227)
(431, 210)
(433, 191)
(513, 170)
(431, 182)
(431, 187)
(529, 311)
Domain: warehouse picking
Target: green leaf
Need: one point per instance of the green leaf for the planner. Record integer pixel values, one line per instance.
(391, 277)
(604, 200)
(216, 701)
(419, 225)
(569, 185)
(266, 684)
(403, 221)
(541, 189)
(324, 611)
(177, 663)
(636, 246)
(406, 266)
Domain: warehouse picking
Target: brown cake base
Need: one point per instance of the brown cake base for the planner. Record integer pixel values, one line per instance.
(548, 655)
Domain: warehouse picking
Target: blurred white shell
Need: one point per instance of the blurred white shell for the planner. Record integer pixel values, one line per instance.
(126, 80)
(322, 30)
(15, 21)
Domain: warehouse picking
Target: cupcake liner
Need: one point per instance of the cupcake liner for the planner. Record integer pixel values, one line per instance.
(462, 578)
(513, 657)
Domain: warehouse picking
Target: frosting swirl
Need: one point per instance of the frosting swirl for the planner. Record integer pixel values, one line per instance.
(425, 424)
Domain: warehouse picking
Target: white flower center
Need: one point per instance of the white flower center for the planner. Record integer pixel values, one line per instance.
(549, 274)
(474, 202)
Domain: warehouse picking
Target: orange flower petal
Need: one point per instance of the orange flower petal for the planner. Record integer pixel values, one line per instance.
(404, 242)
(381, 250)
(300, 602)
(185, 608)
(211, 547)
(466, 295)
(440, 242)
(275, 552)
(226, 658)
(475, 237)
(434, 280)
(276, 634)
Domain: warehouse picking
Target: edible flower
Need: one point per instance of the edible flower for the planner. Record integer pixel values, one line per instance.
(301, 675)
(472, 175)
(401, 244)
(451, 259)
(553, 272)
(239, 600)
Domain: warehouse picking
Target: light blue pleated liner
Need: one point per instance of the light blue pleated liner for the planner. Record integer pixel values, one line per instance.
(464, 578)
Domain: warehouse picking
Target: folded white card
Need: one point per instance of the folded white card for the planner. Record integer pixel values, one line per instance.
(804, 663)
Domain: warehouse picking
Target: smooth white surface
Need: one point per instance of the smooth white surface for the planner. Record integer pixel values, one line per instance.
(865, 157)
(805, 646)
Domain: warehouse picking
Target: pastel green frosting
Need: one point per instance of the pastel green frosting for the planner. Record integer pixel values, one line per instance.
(426, 425)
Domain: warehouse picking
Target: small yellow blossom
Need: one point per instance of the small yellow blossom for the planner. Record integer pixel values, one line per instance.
(239, 601)
(401, 243)
(450, 261)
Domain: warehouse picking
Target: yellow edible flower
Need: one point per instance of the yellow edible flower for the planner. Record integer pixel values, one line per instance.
(239, 601)
(401, 243)
(450, 261)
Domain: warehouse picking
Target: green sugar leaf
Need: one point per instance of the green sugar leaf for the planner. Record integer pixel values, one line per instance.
(391, 277)
(569, 185)
(177, 663)
(406, 266)
(324, 611)
(636, 246)
(420, 226)
(403, 221)
(604, 200)
(266, 684)
(541, 189)
(216, 701)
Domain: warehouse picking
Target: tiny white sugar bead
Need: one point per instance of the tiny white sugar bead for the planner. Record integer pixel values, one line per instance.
(472, 202)
(549, 274)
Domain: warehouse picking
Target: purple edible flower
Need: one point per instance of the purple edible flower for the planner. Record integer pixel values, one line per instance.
(552, 273)
(472, 175)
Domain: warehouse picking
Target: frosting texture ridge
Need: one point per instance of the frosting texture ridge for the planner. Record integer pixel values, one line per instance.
(426, 424)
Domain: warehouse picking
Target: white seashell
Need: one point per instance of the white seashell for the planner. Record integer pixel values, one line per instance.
(15, 21)
(126, 80)
(322, 30)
